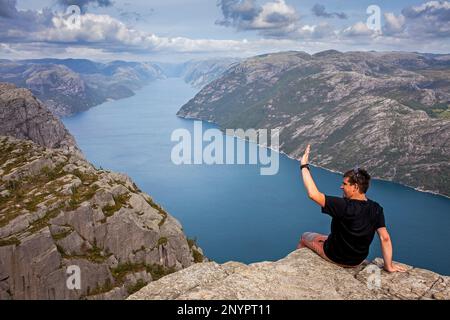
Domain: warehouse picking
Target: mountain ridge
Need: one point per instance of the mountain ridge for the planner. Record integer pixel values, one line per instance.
(69, 86)
(376, 110)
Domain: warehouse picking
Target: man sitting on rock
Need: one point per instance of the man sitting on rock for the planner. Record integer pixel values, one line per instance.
(354, 221)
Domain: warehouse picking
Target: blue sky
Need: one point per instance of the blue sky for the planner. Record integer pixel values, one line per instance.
(178, 30)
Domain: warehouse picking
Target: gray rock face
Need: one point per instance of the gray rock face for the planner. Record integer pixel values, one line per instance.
(59, 211)
(301, 275)
(386, 112)
(25, 117)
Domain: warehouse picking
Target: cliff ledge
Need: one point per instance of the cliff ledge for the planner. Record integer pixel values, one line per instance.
(300, 275)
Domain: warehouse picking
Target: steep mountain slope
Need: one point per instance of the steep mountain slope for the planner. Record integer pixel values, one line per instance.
(25, 117)
(198, 72)
(387, 112)
(58, 211)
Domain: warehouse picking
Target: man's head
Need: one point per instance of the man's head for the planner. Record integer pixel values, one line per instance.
(356, 182)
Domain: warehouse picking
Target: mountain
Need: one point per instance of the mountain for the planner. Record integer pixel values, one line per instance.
(57, 211)
(25, 117)
(198, 73)
(385, 111)
(68, 86)
(302, 275)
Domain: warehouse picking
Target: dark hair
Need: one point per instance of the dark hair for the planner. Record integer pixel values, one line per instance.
(360, 177)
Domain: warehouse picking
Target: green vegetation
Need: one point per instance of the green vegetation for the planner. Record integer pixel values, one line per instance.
(245, 106)
(161, 211)
(16, 155)
(62, 235)
(105, 287)
(163, 220)
(44, 221)
(142, 248)
(31, 204)
(33, 190)
(22, 193)
(162, 241)
(137, 286)
(411, 100)
(53, 174)
(442, 111)
(192, 242)
(123, 269)
(4, 200)
(5, 151)
(136, 188)
(198, 257)
(157, 271)
(94, 255)
(9, 242)
(81, 194)
(119, 202)
(86, 178)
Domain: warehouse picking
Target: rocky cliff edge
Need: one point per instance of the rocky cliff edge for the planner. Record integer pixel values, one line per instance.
(300, 275)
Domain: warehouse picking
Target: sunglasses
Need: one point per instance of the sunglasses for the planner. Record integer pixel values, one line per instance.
(356, 172)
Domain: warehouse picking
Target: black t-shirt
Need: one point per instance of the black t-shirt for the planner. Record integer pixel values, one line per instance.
(353, 227)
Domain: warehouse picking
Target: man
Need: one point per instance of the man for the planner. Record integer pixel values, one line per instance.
(354, 221)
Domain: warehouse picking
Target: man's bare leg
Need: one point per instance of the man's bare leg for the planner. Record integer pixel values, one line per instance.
(314, 241)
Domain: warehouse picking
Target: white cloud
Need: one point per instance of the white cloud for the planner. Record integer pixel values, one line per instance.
(275, 15)
(393, 24)
(428, 20)
(359, 29)
(102, 36)
(319, 11)
(272, 19)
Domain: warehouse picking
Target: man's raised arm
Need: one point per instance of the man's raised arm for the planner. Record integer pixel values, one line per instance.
(313, 193)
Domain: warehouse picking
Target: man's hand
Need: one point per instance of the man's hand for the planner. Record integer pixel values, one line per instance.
(313, 193)
(395, 268)
(305, 157)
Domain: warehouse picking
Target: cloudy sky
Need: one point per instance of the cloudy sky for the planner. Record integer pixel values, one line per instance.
(176, 30)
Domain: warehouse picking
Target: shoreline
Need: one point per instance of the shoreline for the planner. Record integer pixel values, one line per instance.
(108, 100)
(315, 165)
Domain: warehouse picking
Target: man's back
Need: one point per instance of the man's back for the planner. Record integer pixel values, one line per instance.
(353, 227)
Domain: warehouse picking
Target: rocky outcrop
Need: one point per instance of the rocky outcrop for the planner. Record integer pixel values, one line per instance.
(25, 117)
(386, 112)
(58, 211)
(301, 275)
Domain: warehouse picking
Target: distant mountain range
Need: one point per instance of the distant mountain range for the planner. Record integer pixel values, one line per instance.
(386, 111)
(68, 86)
(198, 73)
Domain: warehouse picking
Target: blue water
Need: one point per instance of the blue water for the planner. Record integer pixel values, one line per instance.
(234, 212)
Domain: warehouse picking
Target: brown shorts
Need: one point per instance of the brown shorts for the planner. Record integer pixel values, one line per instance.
(315, 241)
